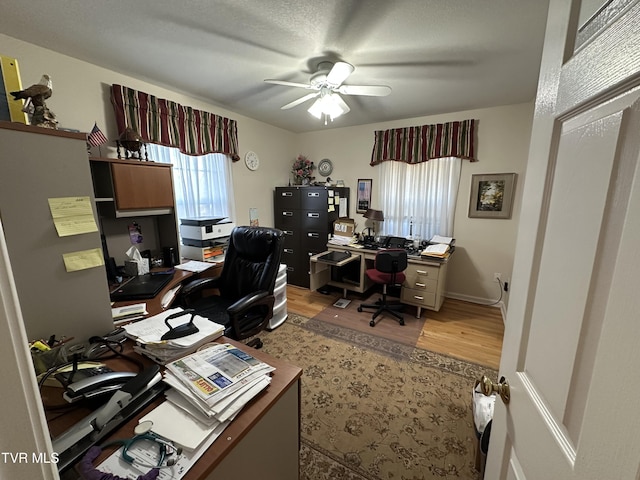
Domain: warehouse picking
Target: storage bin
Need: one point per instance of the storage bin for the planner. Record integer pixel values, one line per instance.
(279, 314)
(280, 293)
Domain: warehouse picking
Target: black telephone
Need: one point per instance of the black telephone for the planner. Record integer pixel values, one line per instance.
(96, 385)
(99, 346)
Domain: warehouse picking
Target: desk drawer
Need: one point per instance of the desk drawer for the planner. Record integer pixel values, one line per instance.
(418, 297)
(421, 273)
(422, 284)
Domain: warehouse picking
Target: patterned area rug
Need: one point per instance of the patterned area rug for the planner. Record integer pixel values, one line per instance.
(374, 409)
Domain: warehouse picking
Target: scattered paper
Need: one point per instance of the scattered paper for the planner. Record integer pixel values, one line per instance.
(440, 239)
(195, 266)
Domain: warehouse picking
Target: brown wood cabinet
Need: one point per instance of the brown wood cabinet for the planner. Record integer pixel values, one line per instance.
(140, 186)
(134, 192)
(132, 184)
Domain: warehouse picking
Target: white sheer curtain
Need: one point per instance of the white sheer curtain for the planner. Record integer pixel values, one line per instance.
(422, 194)
(203, 184)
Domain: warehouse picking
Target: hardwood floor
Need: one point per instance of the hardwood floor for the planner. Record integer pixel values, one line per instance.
(460, 329)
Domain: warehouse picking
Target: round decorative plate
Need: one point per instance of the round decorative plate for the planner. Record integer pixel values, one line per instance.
(251, 160)
(325, 167)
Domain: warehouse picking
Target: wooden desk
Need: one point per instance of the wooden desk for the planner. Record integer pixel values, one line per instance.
(263, 441)
(423, 288)
(154, 305)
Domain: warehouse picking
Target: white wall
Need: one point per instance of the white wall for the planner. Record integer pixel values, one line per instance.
(484, 246)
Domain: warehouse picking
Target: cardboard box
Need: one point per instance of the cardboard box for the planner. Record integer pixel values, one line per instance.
(344, 227)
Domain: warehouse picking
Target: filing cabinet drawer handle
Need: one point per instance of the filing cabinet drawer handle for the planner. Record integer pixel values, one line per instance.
(420, 285)
(313, 215)
(288, 250)
(287, 214)
(313, 194)
(287, 232)
(418, 297)
(287, 194)
(422, 272)
(313, 235)
(290, 269)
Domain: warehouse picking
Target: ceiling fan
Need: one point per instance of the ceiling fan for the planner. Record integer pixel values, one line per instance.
(327, 84)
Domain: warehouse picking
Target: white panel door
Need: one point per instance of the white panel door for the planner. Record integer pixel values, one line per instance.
(571, 344)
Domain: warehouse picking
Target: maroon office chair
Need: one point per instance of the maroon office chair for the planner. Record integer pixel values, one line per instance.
(389, 266)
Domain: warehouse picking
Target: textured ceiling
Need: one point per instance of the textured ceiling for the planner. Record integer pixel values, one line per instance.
(438, 56)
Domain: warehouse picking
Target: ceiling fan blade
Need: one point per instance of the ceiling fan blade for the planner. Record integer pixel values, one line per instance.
(299, 101)
(339, 73)
(288, 84)
(370, 90)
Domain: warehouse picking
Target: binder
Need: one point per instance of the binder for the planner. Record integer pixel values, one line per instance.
(10, 109)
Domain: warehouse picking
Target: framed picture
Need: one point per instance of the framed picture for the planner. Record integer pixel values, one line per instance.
(364, 195)
(492, 195)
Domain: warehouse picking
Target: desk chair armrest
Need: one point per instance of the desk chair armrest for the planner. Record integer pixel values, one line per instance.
(193, 290)
(251, 314)
(251, 300)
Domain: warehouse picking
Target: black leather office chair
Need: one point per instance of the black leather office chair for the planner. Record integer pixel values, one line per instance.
(389, 267)
(245, 301)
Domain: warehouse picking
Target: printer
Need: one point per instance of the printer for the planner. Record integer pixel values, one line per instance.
(205, 232)
(205, 238)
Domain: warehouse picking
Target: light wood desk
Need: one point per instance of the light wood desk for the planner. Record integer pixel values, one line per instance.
(423, 288)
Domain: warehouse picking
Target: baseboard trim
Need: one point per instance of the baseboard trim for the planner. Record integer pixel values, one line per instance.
(480, 301)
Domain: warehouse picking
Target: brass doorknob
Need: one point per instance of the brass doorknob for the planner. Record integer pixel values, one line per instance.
(488, 387)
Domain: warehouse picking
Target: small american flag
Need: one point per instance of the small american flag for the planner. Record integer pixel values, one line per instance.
(96, 137)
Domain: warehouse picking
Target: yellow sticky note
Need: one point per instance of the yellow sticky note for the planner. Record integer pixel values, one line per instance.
(70, 206)
(83, 260)
(75, 225)
(72, 215)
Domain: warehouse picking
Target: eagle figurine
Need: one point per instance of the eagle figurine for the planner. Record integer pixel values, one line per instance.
(34, 104)
(36, 94)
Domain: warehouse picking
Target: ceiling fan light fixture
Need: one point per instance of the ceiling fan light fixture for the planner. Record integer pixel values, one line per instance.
(327, 105)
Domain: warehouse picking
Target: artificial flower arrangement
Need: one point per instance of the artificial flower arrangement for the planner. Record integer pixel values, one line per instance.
(302, 169)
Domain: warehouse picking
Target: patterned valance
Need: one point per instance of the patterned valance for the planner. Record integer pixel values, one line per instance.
(426, 142)
(167, 123)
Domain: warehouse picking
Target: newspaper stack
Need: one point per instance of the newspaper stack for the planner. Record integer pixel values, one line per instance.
(215, 383)
(148, 334)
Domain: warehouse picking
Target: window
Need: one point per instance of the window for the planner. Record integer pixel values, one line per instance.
(203, 184)
(419, 199)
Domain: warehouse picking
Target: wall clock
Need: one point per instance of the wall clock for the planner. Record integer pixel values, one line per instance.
(251, 160)
(325, 167)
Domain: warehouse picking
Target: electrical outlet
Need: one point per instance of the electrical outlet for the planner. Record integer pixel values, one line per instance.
(497, 276)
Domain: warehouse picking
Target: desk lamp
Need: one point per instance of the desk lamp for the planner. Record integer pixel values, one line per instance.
(376, 216)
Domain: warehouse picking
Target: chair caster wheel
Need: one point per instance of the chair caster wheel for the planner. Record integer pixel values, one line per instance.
(372, 323)
(401, 322)
(359, 309)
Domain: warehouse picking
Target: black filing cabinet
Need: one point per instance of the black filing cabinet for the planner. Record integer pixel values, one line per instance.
(306, 216)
